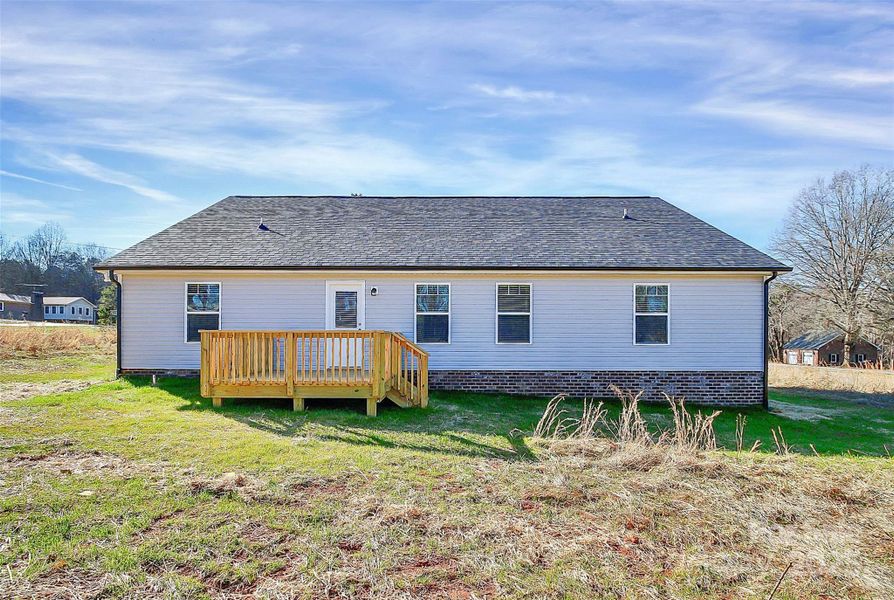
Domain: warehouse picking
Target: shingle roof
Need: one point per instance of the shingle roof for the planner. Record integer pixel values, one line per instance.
(64, 300)
(337, 232)
(4, 297)
(813, 340)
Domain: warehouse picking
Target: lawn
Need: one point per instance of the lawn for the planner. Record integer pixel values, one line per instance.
(122, 489)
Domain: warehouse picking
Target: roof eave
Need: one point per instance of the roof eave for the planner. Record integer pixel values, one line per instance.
(200, 267)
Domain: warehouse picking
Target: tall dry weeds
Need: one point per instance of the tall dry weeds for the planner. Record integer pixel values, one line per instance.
(835, 379)
(555, 424)
(689, 433)
(46, 340)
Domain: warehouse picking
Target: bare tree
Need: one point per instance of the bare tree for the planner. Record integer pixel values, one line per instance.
(791, 312)
(838, 236)
(43, 247)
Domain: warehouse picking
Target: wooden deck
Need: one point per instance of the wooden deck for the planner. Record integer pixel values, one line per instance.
(314, 364)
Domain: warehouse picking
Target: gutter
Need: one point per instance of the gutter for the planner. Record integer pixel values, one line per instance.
(114, 279)
(766, 399)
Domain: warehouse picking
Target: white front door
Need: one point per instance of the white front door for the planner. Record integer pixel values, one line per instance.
(345, 311)
(807, 358)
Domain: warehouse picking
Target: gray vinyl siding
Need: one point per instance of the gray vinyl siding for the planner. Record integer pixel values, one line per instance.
(578, 322)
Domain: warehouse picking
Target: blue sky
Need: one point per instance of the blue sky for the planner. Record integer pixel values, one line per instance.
(120, 119)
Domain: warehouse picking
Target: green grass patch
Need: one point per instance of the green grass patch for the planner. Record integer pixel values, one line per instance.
(82, 366)
(128, 490)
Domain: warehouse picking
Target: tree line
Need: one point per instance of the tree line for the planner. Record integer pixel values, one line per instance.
(46, 258)
(839, 237)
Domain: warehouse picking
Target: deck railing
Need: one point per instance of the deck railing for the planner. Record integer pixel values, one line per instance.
(305, 364)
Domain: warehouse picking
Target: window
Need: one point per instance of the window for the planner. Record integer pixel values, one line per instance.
(433, 313)
(53, 310)
(513, 313)
(87, 311)
(46, 310)
(651, 314)
(202, 308)
(345, 309)
(833, 358)
(861, 358)
(80, 310)
(2, 307)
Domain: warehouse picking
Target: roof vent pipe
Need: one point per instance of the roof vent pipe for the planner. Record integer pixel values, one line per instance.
(262, 227)
(626, 216)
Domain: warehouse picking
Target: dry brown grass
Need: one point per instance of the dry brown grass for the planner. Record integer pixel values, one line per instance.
(867, 381)
(689, 432)
(47, 340)
(738, 521)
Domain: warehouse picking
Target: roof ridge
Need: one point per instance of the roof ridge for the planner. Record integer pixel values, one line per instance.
(444, 196)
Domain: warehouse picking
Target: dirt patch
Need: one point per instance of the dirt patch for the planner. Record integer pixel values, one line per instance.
(244, 486)
(72, 462)
(22, 390)
(802, 413)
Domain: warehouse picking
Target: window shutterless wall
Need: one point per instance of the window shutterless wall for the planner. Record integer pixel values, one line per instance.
(580, 322)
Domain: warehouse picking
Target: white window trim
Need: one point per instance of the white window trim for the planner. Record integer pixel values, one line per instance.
(186, 312)
(329, 315)
(833, 358)
(449, 314)
(529, 314)
(653, 314)
(858, 359)
(2, 306)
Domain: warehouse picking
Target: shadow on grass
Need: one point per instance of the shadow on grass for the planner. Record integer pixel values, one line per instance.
(453, 423)
(466, 424)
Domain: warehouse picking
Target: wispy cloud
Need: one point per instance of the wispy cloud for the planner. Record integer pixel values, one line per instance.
(86, 168)
(31, 212)
(791, 118)
(518, 94)
(36, 180)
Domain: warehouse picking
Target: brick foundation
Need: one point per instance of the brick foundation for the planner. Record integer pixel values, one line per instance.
(728, 388)
(160, 372)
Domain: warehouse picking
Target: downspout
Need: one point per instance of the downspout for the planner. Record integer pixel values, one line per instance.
(766, 399)
(114, 279)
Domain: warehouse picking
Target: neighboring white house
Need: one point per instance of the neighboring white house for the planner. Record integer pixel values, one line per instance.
(519, 295)
(69, 309)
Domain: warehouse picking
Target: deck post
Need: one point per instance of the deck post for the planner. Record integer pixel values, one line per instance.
(379, 386)
(297, 403)
(423, 380)
(205, 364)
(371, 406)
(217, 401)
(395, 362)
(291, 365)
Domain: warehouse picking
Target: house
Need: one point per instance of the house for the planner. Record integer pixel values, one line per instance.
(523, 295)
(69, 309)
(14, 306)
(826, 348)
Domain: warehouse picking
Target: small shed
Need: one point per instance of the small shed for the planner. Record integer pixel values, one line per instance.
(826, 348)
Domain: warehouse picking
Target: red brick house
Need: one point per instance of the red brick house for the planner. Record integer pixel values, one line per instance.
(826, 348)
